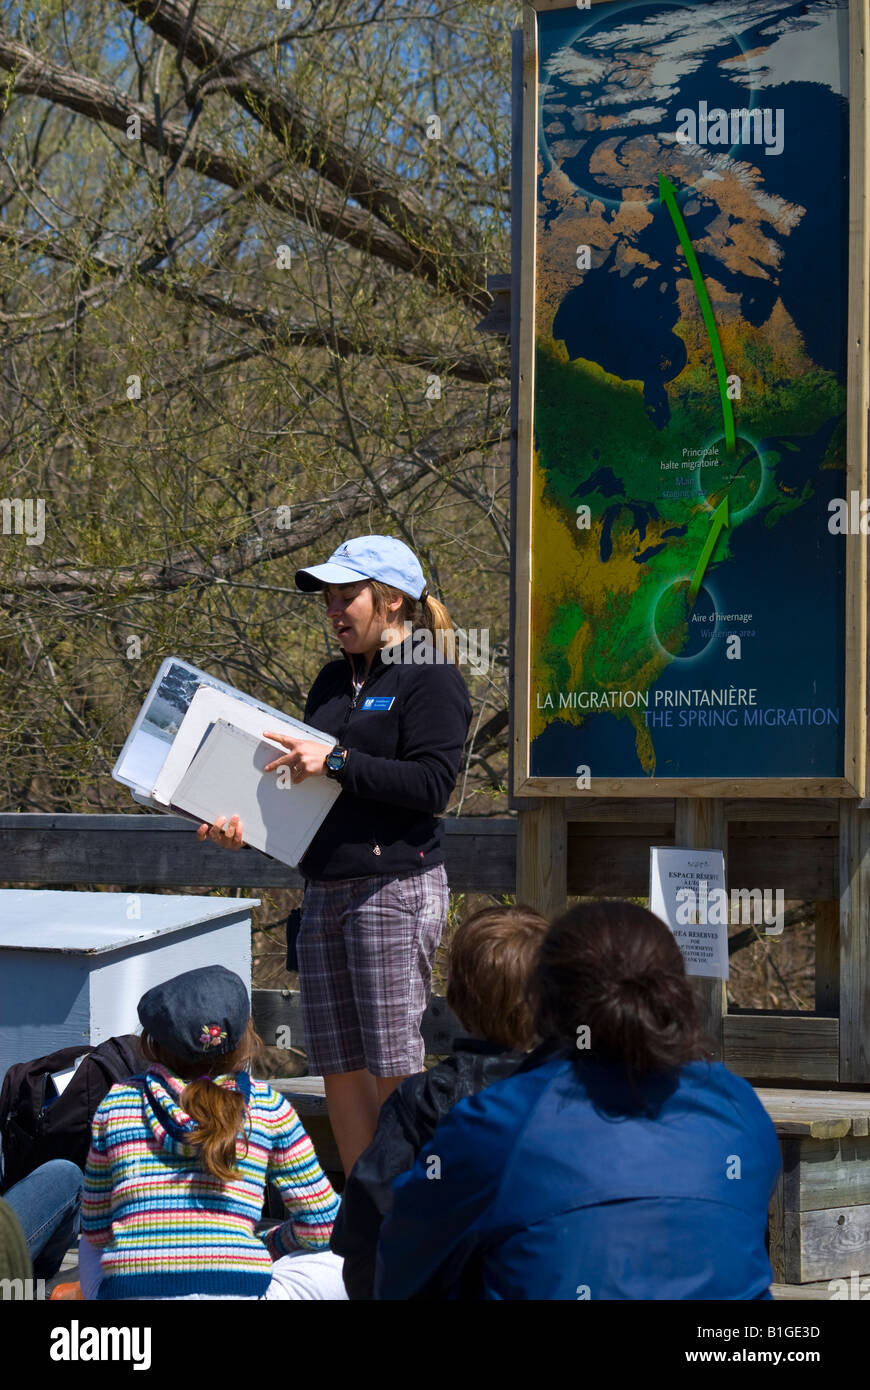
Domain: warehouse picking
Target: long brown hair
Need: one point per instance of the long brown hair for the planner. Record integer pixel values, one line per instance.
(219, 1113)
(491, 961)
(614, 969)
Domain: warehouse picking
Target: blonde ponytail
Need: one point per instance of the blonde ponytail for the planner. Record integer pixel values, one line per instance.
(426, 612)
(434, 615)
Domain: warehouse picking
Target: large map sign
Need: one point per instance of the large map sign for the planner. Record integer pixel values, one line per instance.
(691, 492)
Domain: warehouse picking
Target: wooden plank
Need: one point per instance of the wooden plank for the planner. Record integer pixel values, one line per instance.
(307, 1094)
(601, 811)
(610, 859)
(277, 1017)
(828, 1244)
(797, 1100)
(827, 933)
(804, 867)
(129, 850)
(854, 944)
(802, 788)
(813, 1129)
(542, 862)
(701, 824)
(806, 1293)
(857, 401)
(773, 811)
(778, 836)
(786, 828)
(854, 823)
(796, 1105)
(768, 813)
(516, 731)
(630, 833)
(609, 864)
(480, 854)
(154, 850)
(826, 1173)
(776, 1228)
(524, 389)
(791, 1244)
(612, 866)
(781, 1045)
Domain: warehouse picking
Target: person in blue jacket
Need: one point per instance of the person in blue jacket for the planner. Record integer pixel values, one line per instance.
(616, 1163)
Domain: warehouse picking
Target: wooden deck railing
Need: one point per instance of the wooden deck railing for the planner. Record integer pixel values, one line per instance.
(154, 851)
(607, 856)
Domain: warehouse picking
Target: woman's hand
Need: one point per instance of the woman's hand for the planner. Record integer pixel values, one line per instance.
(230, 838)
(305, 757)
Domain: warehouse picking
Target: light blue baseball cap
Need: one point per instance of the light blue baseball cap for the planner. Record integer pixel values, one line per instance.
(367, 557)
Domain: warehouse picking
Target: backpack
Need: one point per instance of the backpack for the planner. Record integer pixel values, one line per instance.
(33, 1131)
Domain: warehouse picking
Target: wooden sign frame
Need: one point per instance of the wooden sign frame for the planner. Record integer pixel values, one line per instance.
(854, 781)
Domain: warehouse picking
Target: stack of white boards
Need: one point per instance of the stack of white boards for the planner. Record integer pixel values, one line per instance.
(197, 748)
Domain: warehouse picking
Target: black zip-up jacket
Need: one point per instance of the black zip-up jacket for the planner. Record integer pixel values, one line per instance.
(405, 732)
(407, 1121)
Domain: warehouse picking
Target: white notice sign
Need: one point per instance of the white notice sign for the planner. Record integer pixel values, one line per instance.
(687, 890)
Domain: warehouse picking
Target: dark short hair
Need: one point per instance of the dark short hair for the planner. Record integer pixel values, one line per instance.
(489, 972)
(615, 969)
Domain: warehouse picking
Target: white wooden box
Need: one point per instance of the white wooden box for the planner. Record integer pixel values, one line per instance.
(73, 966)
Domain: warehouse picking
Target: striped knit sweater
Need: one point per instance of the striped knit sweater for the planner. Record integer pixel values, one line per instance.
(165, 1226)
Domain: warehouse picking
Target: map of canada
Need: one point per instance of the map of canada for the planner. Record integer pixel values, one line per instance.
(687, 595)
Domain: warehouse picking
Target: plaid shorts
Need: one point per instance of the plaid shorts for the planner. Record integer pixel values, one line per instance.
(365, 948)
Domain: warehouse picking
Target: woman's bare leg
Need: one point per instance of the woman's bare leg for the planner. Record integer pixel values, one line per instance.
(353, 1104)
(386, 1085)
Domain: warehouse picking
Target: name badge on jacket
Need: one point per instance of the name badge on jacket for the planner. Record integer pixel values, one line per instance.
(378, 702)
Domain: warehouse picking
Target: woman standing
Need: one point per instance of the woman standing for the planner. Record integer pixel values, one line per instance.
(376, 895)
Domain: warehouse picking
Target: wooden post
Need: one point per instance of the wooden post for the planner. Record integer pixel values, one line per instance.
(827, 924)
(776, 1228)
(700, 824)
(542, 855)
(854, 943)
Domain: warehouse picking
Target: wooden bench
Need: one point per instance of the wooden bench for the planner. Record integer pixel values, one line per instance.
(820, 1213)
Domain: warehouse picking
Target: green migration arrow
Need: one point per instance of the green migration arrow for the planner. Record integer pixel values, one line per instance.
(720, 522)
(667, 193)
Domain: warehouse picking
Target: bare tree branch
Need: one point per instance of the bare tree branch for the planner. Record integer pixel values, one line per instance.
(372, 186)
(465, 367)
(35, 76)
(187, 567)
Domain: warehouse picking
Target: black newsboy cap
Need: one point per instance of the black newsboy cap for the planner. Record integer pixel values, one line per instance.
(201, 1013)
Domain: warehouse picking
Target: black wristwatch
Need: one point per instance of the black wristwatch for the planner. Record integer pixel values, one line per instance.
(335, 761)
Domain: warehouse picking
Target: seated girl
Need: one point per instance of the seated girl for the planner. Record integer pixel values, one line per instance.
(179, 1158)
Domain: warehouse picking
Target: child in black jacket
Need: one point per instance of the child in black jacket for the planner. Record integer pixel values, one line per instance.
(491, 961)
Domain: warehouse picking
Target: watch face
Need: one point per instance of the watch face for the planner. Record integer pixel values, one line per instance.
(334, 760)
